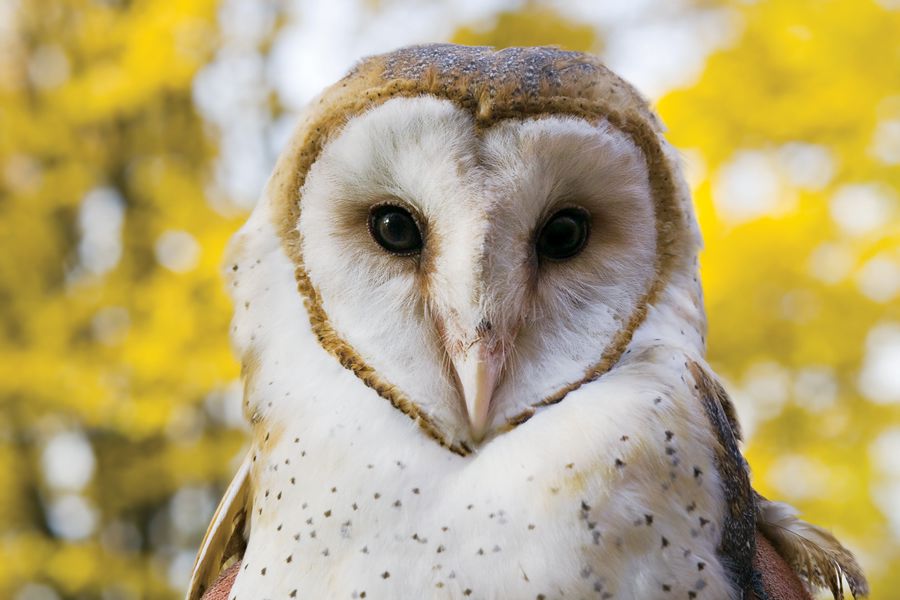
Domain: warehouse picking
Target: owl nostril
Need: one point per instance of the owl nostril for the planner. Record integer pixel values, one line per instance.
(483, 327)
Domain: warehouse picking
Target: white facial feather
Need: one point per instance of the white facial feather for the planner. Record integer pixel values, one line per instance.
(412, 153)
(482, 201)
(574, 308)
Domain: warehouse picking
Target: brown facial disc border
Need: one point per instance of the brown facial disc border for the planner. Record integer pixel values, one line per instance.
(286, 214)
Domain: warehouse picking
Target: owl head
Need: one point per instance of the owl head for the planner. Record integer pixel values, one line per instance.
(474, 234)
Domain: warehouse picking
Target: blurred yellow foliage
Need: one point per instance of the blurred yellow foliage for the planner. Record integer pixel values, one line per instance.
(102, 158)
(531, 25)
(114, 323)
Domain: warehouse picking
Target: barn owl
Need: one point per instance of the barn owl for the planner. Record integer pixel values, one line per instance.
(472, 341)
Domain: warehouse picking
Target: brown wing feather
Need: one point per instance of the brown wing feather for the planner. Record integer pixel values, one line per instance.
(738, 525)
(225, 537)
(814, 554)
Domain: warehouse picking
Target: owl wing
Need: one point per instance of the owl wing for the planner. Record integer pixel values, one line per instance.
(739, 524)
(225, 536)
(814, 555)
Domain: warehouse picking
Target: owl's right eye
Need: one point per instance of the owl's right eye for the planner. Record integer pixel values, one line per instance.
(395, 230)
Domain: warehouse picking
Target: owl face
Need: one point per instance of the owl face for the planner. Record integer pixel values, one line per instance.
(478, 271)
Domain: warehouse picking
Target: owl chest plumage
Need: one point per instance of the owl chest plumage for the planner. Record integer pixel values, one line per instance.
(615, 496)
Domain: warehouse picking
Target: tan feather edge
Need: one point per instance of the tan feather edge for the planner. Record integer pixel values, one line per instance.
(288, 211)
(219, 542)
(816, 555)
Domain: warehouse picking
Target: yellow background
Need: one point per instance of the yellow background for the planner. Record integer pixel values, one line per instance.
(120, 410)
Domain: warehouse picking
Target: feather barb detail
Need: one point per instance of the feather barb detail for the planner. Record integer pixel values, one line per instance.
(817, 557)
(224, 538)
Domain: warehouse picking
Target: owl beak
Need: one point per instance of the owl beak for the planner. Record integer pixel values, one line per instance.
(478, 370)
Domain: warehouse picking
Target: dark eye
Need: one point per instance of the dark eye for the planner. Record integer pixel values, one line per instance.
(395, 230)
(564, 234)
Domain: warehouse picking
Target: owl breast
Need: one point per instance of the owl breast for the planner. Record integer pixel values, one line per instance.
(611, 494)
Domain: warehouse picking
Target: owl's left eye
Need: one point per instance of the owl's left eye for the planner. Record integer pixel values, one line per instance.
(564, 234)
(395, 230)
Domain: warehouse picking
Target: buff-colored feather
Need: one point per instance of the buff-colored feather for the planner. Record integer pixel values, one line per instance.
(224, 535)
(814, 554)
